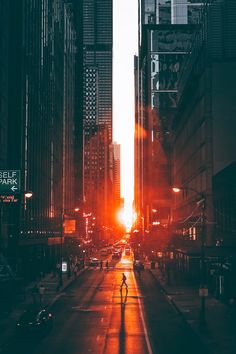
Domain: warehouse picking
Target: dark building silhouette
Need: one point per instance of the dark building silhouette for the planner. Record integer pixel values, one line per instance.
(97, 105)
(4, 123)
(186, 109)
(165, 31)
(41, 120)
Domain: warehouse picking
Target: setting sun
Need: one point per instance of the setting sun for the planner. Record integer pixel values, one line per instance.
(127, 216)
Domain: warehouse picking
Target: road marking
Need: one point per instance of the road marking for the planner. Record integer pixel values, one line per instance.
(81, 308)
(149, 347)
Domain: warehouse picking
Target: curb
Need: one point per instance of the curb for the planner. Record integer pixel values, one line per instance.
(54, 299)
(170, 299)
(175, 306)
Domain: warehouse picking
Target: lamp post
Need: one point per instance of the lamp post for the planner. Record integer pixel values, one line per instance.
(27, 195)
(23, 211)
(61, 249)
(63, 217)
(203, 290)
(142, 221)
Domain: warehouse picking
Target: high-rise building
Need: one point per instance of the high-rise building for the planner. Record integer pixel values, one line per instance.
(165, 31)
(97, 101)
(97, 186)
(204, 156)
(97, 53)
(203, 145)
(4, 126)
(78, 122)
(116, 173)
(41, 111)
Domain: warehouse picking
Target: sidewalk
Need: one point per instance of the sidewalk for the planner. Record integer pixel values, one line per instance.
(8, 320)
(219, 333)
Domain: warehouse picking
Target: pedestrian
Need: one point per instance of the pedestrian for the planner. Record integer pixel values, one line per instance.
(34, 292)
(75, 270)
(83, 263)
(78, 265)
(107, 265)
(41, 293)
(139, 270)
(101, 264)
(58, 269)
(123, 281)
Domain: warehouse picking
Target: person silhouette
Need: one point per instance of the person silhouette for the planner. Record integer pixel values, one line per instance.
(123, 281)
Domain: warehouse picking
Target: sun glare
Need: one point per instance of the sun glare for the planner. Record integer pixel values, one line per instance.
(125, 42)
(127, 216)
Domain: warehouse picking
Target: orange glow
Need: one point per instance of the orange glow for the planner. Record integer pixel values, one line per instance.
(140, 132)
(69, 226)
(127, 216)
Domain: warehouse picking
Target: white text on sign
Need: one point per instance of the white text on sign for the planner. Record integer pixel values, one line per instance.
(7, 174)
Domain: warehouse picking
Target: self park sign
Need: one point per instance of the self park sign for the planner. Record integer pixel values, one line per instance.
(10, 182)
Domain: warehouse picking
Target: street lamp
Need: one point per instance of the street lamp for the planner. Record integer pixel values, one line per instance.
(27, 195)
(203, 290)
(61, 249)
(63, 217)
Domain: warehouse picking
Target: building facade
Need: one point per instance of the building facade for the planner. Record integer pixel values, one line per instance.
(4, 128)
(165, 31)
(97, 104)
(114, 172)
(203, 148)
(41, 114)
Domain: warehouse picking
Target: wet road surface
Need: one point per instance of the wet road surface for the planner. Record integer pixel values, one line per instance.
(94, 316)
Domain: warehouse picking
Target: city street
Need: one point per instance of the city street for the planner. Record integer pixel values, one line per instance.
(93, 316)
(117, 177)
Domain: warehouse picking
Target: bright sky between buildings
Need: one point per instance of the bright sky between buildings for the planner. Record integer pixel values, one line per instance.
(125, 46)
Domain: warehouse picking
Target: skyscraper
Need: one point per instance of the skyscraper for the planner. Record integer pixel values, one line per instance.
(165, 30)
(97, 53)
(97, 101)
(4, 125)
(41, 91)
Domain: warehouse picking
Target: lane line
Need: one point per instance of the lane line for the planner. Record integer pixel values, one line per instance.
(149, 347)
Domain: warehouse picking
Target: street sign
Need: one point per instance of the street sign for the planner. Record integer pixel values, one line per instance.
(8, 199)
(203, 292)
(10, 181)
(69, 226)
(64, 267)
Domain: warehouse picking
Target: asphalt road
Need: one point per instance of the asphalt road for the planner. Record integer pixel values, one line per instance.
(94, 316)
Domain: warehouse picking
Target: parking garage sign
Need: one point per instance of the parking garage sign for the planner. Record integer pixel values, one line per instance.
(9, 182)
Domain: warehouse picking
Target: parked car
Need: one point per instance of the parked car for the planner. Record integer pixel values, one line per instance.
(127, 251)
(5, 273)
(116, 255)
(35, 321)
(138, 265)
(104, 252)
(94, 262)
